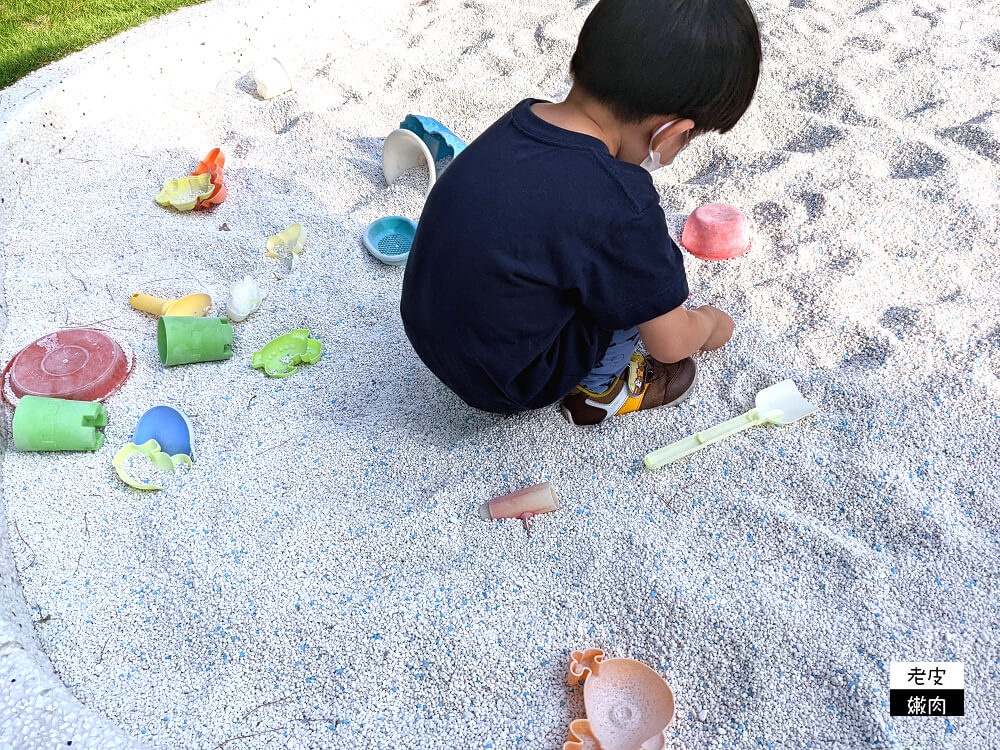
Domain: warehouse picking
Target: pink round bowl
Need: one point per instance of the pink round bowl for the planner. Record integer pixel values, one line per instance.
(716, 231)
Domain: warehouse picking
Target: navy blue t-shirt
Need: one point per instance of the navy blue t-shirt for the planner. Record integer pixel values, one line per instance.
(533, 246)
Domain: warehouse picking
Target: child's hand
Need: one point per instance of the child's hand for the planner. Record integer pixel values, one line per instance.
(682, 332)
(722, 328)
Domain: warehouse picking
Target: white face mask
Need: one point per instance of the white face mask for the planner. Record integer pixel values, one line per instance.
(652, 162)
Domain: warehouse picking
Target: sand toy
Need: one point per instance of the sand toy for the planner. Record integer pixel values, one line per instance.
(212, 166)
(524, 504)
(203, 187)
(402, 150)
(55, 424)
(440, 141)
(185, 193)
(169, 427)
(628, 705)
(280, 356)
(389, 239)
(79, 364)
(182, 341)
(716, 231)
(151, 450)
(780, 404)
(418, 141)
(244, 298)
(271, 78)
(290, 240)
(193, 305)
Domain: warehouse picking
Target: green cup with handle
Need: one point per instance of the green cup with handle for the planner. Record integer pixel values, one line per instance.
(182, 340)
(58, 424)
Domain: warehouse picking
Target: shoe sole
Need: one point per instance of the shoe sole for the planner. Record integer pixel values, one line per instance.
(676, 402)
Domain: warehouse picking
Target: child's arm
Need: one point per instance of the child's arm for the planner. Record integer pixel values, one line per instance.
(681, 332)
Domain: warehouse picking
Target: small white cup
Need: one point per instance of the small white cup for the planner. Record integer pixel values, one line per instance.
(244, 298)
(272, 79)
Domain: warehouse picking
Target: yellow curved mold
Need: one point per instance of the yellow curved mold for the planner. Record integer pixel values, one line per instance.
(160, 460)
(291, 240)
(185, 192)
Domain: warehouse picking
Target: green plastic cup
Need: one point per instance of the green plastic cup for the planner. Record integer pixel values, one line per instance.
(183, 340)
(56, 424)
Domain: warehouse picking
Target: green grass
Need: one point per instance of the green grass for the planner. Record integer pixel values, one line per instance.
(33, 33)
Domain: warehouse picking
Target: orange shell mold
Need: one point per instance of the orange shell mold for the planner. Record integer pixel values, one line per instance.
(212, 166)
(629, 706)
(580, 736)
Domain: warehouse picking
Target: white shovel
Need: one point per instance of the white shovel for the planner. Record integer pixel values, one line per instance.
(780, 403)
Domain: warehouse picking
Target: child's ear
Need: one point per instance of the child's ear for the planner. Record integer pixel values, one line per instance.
(676, 128)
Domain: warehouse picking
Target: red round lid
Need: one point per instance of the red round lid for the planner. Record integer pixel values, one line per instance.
(80, 364)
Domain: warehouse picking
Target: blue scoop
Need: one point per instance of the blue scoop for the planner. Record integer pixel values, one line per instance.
(168, 427)
(440, 141)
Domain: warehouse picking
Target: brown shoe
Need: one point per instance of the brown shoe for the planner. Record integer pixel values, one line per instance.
(645, 384)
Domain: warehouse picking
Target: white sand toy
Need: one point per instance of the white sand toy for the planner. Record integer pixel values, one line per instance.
(780, 403)
(271, 78)
(244, 298)
(403, 149)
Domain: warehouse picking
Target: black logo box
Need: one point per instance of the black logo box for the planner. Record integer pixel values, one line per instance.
(954, 702)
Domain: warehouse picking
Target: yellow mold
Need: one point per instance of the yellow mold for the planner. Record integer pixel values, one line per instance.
(193, 305)
(291, 240)
(185, 192)
(160, 460)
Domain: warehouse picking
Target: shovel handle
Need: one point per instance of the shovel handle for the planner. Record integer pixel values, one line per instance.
(697, 441)
(148, 303)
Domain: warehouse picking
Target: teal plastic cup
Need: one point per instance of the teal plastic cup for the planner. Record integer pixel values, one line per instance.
(56, 424)
(183, 340)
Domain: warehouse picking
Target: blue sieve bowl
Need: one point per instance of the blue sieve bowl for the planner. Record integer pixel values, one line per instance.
(389, 239)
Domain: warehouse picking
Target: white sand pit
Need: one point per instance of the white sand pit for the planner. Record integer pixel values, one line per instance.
(322, 577)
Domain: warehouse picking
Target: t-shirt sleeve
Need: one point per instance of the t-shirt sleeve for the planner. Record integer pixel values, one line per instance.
(635, 275)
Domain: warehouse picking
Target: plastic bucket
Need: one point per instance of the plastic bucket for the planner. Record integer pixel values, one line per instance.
(182, 340)
(56, 424)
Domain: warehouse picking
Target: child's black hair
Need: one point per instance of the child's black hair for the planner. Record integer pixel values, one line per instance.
(698, 59)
